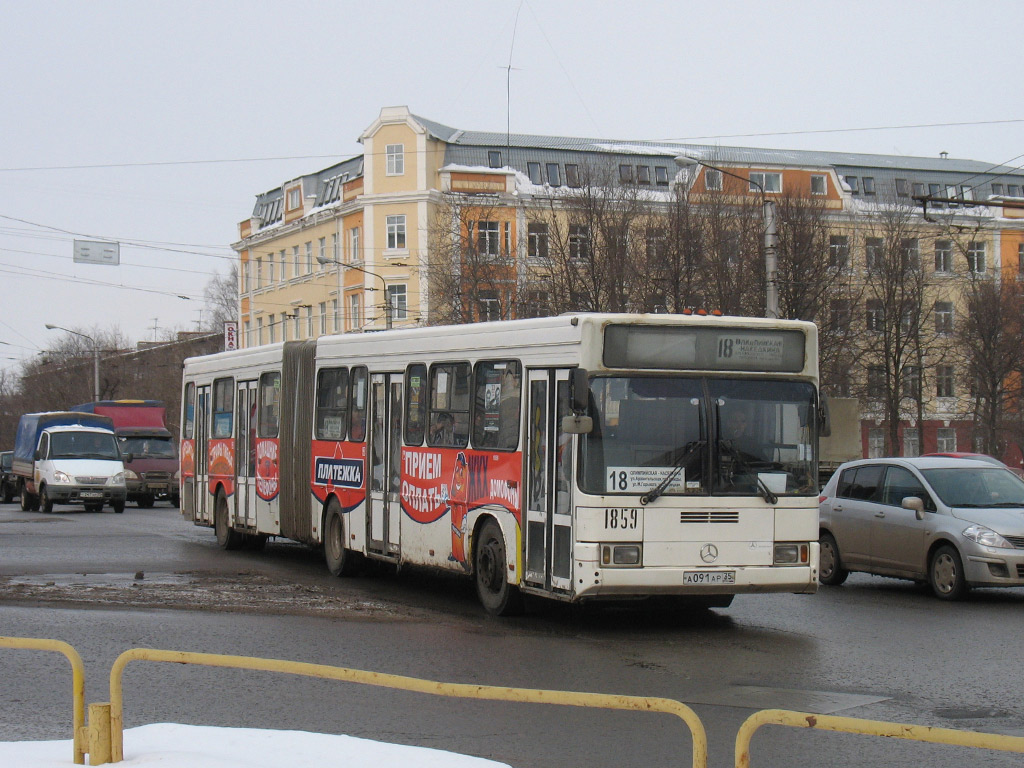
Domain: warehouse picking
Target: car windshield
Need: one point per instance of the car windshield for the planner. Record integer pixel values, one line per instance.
(674, 436)
(981, 487)
(83, 445)
(148, 447)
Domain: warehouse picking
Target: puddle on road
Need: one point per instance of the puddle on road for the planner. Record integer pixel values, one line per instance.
(97, 579)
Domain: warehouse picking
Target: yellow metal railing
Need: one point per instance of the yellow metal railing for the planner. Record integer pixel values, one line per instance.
(79, 735)
(924, 733)
(458, 690)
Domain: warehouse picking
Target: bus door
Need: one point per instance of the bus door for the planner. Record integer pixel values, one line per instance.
(203, 502)
(548, 529)
(244, 513)
(385, 450)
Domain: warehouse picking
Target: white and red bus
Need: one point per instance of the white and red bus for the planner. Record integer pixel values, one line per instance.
(575, 457)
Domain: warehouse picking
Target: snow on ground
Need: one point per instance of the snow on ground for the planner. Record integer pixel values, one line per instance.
(190, 746)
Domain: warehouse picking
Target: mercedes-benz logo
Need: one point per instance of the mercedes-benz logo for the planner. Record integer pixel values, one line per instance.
(709, 553)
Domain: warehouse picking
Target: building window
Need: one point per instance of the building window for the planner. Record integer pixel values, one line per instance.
(976, 257)
(322, 253)
(297, 324)
(875, 254)
(997, 189)
(911, 441)
(579, 241)
(912, 382)
(297, 261)
(309, 257)
(537, 241)
(852, 183)
(868, 183)
(396, 159)
(398, 301)
(769, 182)
(487, 239)
(944, 317)
(572, 176)
(353, 244)
(874, 313)
(284, 327)
(323, 318)
(643, 174)
(494, 158)
(945, 440)
(284, 265)
(625, 174)
(876, 443)
(294, 198)
(661, 175)
(839, 315)
(535, 176)
(712, 180)
(1013, 190)
(944, 256)
(335, 256)
(1020, 259)
(918, 189)
(355, 315)
(396, 232)
(902, 190)
(944, 381)
(656, 244)
(554, 179)
(271, 278)
(537, 304)
(259, 273)
(839, 251)
(489, 306)
(271, 330)
(259, 330)
(818, 184)
(876, 381)
(910, 254)
(336, 314)
(966, 192)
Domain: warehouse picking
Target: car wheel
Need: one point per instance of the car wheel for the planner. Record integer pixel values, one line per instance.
(45, 502)
(830, 568)
(340, 560)
(227, 537)
(8, 494)
(497, 596)
(117, 506)
(946, 574)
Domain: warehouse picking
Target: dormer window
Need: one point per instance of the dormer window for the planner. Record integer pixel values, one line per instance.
(294, 198)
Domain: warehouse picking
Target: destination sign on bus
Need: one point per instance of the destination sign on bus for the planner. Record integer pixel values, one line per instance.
(703, 348)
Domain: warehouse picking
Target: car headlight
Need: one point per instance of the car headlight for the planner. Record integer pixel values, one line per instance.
(986, 537)
(129, 475)
(117, 479)
(61, 477)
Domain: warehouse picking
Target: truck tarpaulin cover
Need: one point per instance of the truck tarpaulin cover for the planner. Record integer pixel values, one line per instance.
(128, 413)
(31, 424)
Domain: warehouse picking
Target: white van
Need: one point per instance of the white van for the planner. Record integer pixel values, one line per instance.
(63, 458)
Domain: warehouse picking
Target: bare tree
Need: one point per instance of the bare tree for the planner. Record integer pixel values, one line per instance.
(221, 299)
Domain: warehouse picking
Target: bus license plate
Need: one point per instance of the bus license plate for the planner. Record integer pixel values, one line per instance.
(709, 577)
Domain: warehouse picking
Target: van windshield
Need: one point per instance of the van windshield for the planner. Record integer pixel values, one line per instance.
(83, 445)
(148, 447)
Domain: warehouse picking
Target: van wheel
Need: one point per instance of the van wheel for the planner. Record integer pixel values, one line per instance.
(946, 574)
(341, 561)
(227, 537)
(497, 596)
(45, 502)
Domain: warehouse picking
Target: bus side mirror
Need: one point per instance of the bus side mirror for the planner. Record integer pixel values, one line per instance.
(579, 389)
(824, 420)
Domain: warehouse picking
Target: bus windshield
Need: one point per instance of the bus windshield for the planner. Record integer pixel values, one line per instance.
(700, 436)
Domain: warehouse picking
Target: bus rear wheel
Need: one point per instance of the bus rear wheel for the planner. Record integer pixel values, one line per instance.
(497, 596)
(341, 561)
(227, 537)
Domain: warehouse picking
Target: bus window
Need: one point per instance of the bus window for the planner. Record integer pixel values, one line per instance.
(415, 404)
(357, 405)
(190, 411)
(270, 405)
(331, 403)
(223, 399)
(449, 405)
(496, 405)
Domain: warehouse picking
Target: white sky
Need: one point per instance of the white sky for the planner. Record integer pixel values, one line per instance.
(175, 83)
(162, 745)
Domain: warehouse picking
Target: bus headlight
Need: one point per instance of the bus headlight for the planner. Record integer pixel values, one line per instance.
(621, 554)
(792, 554)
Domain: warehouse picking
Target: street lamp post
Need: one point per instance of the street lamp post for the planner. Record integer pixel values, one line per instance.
(95, 357)
(771, 234)
(388, 309)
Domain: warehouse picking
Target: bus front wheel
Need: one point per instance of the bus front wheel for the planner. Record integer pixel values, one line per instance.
(497, 596)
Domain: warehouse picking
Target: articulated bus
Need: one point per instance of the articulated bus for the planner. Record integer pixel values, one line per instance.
(579, 457)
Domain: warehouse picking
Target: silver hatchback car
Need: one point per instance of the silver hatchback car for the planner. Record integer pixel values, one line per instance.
(953, 523)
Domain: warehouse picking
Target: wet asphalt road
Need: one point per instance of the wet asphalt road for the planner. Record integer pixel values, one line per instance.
(874, 648)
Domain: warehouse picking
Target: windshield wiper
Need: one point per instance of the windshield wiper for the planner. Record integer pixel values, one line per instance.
(770, 497)
(677, 467)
